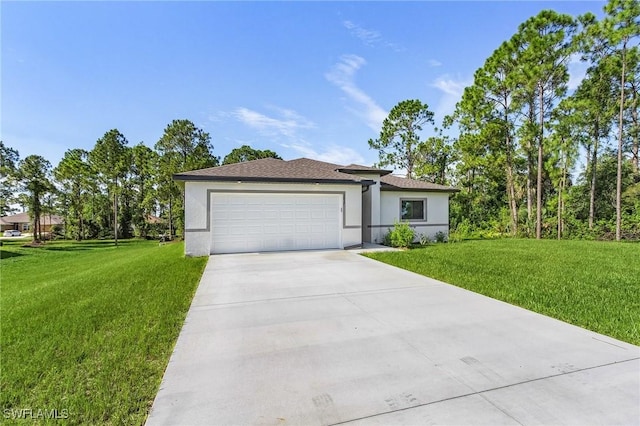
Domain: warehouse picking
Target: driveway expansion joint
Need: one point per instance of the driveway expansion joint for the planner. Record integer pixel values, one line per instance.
(309, 296)
(482, 392)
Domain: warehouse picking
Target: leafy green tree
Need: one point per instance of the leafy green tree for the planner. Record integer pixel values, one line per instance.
(487, 108)
(182, 147)
(435, 156)
(480, 175)
(126, 199)
(399, 142)
(593, 103)
(545, 48)
(34, 176)
(632, 116)
(611, 44)
(144, 167)
(621, 25)
(246, 153)
(568, 133)
(9, 159)
(605, 199)
(109, 161)
(74, 174)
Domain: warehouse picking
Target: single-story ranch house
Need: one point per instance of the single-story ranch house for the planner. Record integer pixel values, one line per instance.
(23, 223)
(273, 205)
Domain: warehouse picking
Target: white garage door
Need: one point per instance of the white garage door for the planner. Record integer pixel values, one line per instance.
(272, 222)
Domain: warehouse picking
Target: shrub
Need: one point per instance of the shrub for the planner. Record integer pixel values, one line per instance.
(401, 235)
(424, 239)
(455, 237)
(440, 237)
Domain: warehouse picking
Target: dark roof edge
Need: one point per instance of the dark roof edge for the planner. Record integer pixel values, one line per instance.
(185, 178)
(387, 187)
(365, 171)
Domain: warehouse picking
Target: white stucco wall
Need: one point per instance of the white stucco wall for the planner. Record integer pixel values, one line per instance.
(437, 212)
(198, 230)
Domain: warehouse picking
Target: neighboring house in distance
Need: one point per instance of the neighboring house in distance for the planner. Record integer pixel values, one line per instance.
(23, 223)
(154, 220)
(274, 205)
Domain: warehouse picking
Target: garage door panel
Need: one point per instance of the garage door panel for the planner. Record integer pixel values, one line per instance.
(303, 214)
(303, 228)
(270, 222)
(287, 229)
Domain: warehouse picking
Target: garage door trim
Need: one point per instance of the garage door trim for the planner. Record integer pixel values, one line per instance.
(272, 191)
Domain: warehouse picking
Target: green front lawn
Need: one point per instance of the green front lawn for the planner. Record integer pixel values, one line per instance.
(595, 285)
(87, 328)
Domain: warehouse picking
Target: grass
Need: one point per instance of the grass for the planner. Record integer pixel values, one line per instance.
(87, 329)
(595, 285)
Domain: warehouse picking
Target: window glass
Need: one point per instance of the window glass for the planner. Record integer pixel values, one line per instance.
(412, 209)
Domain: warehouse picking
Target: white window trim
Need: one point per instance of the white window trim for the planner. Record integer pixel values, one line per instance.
(424, 209)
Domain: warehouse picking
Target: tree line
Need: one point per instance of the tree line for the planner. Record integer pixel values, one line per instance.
(113, 190)
(516, 158)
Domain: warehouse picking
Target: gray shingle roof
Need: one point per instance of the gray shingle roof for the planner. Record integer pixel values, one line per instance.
(304, 170)
(395, 183)
(271, 169)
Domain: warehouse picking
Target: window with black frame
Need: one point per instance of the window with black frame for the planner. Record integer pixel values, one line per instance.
(413, 209)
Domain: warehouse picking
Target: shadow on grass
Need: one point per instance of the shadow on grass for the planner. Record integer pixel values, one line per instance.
(62, 245)
(7, 254)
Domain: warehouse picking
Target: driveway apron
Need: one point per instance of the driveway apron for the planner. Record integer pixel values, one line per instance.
(331, 337)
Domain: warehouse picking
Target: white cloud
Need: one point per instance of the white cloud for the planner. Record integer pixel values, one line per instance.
(450, 86)
(342, 75)
(434, 63)
(335, 154)
(452, 93)
(287, 125)
(368, 37)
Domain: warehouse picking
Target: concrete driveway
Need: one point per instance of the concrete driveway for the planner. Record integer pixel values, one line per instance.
(330, 337)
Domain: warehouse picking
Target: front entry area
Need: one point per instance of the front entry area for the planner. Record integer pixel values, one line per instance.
(260, 222)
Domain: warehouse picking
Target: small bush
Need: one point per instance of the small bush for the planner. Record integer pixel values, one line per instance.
(455, 237)
(401, 235)
(424, 239)
(440, 237)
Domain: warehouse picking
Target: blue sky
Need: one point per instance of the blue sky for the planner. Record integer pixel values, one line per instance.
(311, 79)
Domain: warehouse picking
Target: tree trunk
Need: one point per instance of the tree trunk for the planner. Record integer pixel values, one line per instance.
(540, 165)
(636, 129)
(115, 212)
(511, 192)
(620, 131)
(560, 200)
(592, 192)
(529, 190)
(170, 218)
